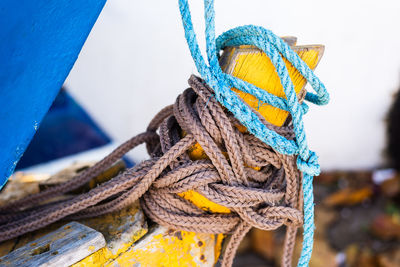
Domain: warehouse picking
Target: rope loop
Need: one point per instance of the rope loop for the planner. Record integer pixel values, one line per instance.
(275, 48)
(309, 166)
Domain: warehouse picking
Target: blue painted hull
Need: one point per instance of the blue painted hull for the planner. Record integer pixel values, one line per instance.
(40, 42)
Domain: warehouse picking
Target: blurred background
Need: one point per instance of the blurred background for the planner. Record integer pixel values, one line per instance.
(136, 61)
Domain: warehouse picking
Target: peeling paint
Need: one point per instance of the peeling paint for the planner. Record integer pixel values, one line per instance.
(166, 247)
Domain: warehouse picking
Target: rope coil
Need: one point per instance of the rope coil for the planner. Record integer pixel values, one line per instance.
(266, 198)
(274, 47)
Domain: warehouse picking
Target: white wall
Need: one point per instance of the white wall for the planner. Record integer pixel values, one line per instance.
(136, 61)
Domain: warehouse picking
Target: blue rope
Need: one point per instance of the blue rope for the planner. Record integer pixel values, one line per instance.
(274, 47)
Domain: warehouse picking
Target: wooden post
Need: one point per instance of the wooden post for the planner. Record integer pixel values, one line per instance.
(131, 242)
(252, 65)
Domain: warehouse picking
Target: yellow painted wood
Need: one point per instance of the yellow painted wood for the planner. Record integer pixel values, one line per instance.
(203, 202)
(252, 65)
(170, 248)
(121, 229)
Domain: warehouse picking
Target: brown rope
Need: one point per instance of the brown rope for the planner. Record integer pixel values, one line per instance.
(266, 198)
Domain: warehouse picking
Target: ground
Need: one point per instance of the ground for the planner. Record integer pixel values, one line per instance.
(357, 224)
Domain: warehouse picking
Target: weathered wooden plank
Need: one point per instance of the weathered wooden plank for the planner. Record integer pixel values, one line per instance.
(167, 247)
(121, 230)
(63, 247)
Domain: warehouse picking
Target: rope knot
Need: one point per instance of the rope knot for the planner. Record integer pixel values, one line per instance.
(304, 108)
(310, 165)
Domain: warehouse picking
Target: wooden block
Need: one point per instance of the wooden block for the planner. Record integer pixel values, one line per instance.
(252, 65)
(167, 247)
(121, 229)
(290, 40)
(63, 247)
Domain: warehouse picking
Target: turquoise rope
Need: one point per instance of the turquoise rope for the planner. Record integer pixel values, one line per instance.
(274, 47)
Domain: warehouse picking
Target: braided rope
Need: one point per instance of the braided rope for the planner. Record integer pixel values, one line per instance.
(274, 48)
(266, 198)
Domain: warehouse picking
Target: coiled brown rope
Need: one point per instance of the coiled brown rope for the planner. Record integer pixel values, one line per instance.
(259, 186)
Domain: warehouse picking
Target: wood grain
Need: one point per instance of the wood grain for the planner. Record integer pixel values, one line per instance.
(63, 247)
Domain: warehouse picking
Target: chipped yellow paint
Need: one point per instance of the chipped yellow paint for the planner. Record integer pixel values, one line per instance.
(96, 259)
(173, 249)
(253, 66)
(218, 246)
(203, 202)
(196, 152)
(160, 247)
(105, 255)
(112, 227)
